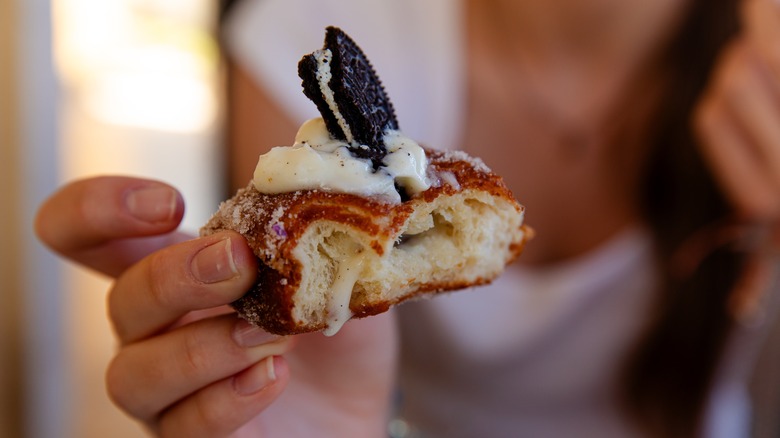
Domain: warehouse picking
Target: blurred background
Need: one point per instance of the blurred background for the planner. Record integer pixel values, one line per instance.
(90, 87)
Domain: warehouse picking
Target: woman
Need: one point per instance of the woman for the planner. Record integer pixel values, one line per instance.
(598, 99)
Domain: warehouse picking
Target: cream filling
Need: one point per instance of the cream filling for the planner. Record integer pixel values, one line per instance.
(317, 161)
(324, 75)
(341, 292)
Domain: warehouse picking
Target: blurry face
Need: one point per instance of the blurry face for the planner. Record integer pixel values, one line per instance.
(581, 19)
(546, 79)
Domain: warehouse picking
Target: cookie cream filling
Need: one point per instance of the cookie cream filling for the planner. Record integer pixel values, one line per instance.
(339, 313)
(318, 162)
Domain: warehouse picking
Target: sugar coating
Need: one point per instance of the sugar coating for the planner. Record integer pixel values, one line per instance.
(249, 210)
(476, 163)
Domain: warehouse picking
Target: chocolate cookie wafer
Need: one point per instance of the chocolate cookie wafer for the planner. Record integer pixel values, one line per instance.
(340, 80)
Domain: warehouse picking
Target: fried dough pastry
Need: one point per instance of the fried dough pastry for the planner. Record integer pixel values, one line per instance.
(326, 257)
(355, 217)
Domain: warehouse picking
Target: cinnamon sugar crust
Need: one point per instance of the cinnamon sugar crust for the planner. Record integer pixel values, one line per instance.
(459, 233)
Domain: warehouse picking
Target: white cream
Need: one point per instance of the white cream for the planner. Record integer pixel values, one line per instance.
(317, 161)
(347, 275)
(406, 162)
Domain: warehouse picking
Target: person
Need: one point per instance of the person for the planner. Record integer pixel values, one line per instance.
(641, 136)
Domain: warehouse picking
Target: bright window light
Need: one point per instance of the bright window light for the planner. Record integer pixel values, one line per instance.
(141, 63)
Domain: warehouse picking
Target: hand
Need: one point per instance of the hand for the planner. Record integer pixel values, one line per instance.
(738, 120)
(187, 366)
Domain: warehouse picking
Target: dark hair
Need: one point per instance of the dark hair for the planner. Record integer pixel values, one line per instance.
(670, 373)
(225, 6)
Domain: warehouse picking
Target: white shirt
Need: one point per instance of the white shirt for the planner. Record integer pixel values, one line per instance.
(534, 354)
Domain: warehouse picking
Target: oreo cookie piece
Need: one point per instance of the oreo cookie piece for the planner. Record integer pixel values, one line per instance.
(340, 80)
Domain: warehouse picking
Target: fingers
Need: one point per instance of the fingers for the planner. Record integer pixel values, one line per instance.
(736, 165)
(762, 19)
(194, 275)
(179, 363)
(87, 221)
(738, 122)
(222, 408)
(756, 107)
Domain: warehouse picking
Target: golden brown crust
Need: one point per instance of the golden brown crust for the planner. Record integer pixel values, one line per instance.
(273, 225)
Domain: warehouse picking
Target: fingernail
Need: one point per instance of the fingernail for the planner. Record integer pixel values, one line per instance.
(247, 335)
(214, 263)
(255, 378)
(152, 204)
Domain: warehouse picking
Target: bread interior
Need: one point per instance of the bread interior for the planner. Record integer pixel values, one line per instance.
(459, 238)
